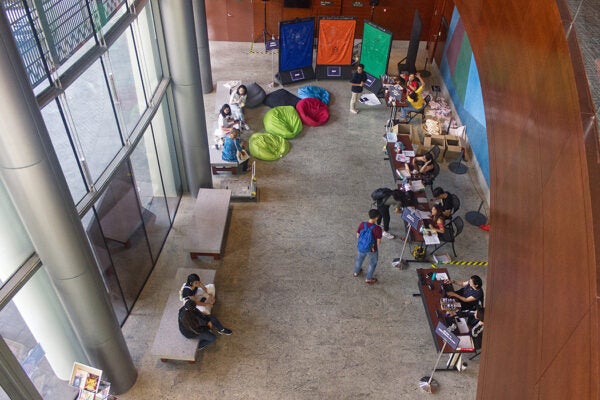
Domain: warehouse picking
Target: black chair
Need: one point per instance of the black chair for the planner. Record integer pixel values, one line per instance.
(455, 203)
(421, 112)
(435, 152)
(477, 342)
(452, 231)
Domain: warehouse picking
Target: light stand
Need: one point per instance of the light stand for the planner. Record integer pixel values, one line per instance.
(427, 383)
(266, 34)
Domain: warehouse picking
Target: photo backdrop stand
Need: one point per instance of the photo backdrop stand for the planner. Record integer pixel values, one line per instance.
(296, 40)
(334, 48)
(375, 54)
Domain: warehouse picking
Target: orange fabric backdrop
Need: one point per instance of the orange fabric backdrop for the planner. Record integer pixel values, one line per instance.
(336, 39)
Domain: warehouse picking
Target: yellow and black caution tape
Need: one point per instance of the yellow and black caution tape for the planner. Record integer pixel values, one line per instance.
(472, 263)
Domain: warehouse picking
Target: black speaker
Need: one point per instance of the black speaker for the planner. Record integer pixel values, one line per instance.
(296, 3)
(374, 2)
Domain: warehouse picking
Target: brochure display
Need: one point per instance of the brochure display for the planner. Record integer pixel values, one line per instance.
(334, 48)
(375, 54)
(88, 380)
(296, 39)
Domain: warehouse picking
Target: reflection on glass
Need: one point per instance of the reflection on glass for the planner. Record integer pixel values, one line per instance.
(145, 38)
(95, 125)
(34, 327)
(64, 151)
(107, 271)
(148, 183)
(15, 246)
(129, 96)
(118, 211)
(167, 157)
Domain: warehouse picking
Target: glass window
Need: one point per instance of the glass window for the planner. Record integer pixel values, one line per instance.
(64, 151)
(167, 157)
(149, 186)
(95, 128)
(127, 82)
(104, 262)
(118, 211)
(147, 45)
(33, 326)
(15, 246)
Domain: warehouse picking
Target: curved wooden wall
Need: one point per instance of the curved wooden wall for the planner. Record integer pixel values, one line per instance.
(542, 335)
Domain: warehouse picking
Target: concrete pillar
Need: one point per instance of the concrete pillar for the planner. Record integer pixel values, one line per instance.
(33, 178)
(203, 45)
(182, 56)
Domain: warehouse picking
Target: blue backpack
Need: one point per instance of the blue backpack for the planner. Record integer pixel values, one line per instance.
(366, 240)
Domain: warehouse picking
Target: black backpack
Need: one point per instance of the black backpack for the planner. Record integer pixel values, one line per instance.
(379, 195)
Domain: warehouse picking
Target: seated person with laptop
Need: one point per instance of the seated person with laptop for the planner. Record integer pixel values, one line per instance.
(470, 294)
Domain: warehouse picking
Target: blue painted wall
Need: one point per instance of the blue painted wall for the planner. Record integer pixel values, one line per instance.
(461, 77)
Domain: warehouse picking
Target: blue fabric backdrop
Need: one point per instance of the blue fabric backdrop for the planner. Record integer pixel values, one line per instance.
(296, 44)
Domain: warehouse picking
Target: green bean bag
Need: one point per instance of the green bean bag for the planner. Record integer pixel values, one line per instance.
(283, 121)
(268, 147)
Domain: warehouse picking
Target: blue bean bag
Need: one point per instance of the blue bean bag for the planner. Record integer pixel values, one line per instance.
(314, 92)
(268, 147)
(313, 112)
(283, 121)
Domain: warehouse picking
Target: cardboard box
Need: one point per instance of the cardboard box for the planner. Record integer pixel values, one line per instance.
(435, 140)
(407, 129)
(454, 146)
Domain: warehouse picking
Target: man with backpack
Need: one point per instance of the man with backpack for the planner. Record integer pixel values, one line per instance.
(369, 238)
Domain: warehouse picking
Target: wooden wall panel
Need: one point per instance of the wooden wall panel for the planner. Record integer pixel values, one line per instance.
(541, 338)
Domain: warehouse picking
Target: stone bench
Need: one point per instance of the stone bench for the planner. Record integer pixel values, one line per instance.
(205, 234)
(217, 164)
(169, 343)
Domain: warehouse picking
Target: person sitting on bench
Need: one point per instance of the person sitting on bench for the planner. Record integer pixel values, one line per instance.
(226, 121)
(203, 295)
(193, 324)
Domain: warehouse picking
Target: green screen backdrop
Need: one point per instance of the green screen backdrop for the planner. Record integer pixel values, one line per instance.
(375, 51)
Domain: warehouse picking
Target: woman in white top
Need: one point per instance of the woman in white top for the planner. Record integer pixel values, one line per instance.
(225, 123)
(237, 101)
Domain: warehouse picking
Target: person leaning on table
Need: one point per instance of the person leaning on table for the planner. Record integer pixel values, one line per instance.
(470, 294)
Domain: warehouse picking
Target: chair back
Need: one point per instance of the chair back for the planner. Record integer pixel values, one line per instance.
(435, 151)
(458, 226)
(427, 100)
(455, 203)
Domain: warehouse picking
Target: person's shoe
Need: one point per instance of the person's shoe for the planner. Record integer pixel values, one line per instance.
(246, 127)
(388, 235)
(371, 281)
(354, 111)
(225, 331)
(202, 347)
(356, 274)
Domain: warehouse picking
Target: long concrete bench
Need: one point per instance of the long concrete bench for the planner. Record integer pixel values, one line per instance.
(169, 343)
(205, 235)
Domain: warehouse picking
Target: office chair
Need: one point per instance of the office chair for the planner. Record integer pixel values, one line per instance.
(421, 112)
(454, 229)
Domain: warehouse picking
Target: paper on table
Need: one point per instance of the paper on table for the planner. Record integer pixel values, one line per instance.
(403, 173)
(391, 137)
(441, 276)
(431, 238)
(423, 214)
(409, 153)
(401, 158)
(465, 342)
(422, 200)
(417, 185)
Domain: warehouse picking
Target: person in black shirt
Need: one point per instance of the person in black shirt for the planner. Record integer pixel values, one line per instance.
(359, 77)
(470, 294)
(445, 199)
(193, 324)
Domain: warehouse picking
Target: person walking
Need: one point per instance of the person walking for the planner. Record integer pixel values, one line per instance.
(369, 238)
(359, 77)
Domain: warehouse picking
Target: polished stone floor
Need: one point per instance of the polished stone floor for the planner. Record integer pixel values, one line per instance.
(304, 328)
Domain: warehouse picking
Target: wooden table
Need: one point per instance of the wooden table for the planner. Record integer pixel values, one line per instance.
(431, 301)
(396, 165)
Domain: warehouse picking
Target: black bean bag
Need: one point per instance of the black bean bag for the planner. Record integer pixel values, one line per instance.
(256, 95)
(281, 97)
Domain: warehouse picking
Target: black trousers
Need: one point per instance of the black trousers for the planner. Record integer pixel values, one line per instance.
(384, 214)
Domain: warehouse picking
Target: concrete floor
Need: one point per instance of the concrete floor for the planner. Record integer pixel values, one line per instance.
(304, 328)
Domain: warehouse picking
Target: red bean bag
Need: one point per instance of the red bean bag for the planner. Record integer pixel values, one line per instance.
(313, 111)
